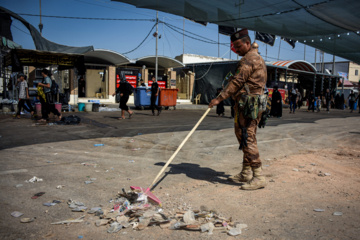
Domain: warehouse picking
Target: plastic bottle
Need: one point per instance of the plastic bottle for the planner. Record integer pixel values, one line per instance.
(98, 145)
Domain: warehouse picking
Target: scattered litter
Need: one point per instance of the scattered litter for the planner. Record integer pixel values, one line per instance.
(77, 220)
(189, 217)
(80, 237)
(337, 213)
(19, 185)
(207, 227)
(301, 166)
(131, 210)
(131, 161)
(92, 179)
(136, 149)
(60, 186)
(237, 230)
(88, 182)
(131, 141)
(139, 133)
(209, 153)
(114, 227)
(313, 164)
(39, 194)
(16, 214)
(321, 174)
(98, 145)
(266, 165)
(107, 109)
(48, 204)
(55, 153)
(101, 222)
(34, 179)
(295, 169)
(49, 161)
(27, 220)
(319, 210)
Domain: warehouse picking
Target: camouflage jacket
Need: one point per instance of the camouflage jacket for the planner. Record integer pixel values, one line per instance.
(251, 70)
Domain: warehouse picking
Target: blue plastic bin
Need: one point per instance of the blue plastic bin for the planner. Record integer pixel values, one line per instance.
(142, 97)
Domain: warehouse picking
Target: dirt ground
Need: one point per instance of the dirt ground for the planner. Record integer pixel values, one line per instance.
(311, 161)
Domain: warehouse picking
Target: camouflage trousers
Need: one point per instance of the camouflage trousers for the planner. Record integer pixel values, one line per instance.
(251, 152)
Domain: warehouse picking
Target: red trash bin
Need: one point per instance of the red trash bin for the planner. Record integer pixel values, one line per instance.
(168, 97)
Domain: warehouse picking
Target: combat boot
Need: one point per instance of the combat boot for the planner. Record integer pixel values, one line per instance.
(244, 176)
(258, 180)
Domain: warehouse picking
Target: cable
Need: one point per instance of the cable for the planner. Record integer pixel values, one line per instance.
(88, 18)
(209, 40)
(20, 29)
(210, 68)
(142, 41)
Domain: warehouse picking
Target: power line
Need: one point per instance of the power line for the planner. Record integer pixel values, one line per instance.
(142, 41)
(20, 29)
(88, 18)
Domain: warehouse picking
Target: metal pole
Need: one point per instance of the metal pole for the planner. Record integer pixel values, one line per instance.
(156, 48)
(322, 83)
(333, 66)
(314, 83)
(279, 50)
(218, 44)
(315, 59)
(304, 51)
(40, 24)
(183, 36)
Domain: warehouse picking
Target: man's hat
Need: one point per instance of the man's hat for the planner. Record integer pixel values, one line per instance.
(239, 34)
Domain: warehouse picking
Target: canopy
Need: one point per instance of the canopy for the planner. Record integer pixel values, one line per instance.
(40, 42)
(329, 25)
(163, 62)
(295, 65)
(103, 56)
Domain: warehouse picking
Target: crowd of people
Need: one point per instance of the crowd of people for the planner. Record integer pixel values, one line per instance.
(314, 103)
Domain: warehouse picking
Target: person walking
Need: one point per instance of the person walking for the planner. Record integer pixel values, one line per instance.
(155, 90)
(46, 101)
(125, 90)
(82, 87)
(248, 83)
(292, 100)
(24, 99)
(327, 100)
(311, 99)
(276, 103)
(352, 100)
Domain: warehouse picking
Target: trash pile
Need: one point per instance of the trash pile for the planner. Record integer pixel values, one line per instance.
(134, 210)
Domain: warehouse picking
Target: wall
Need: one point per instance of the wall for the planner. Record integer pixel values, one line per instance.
(94, 82)
(351, 76)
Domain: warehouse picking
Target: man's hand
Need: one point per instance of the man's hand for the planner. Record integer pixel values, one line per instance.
(214, 102)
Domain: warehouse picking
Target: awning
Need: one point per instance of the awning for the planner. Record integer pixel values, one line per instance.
(347, 83)
(106, 57)
(163, 62)
(295, 65)
(331, 26)
(26, 57)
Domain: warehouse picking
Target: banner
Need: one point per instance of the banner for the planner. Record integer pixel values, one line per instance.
(265, 38)
(225, 30)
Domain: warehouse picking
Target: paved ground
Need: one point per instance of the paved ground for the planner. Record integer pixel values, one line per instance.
(135, 150)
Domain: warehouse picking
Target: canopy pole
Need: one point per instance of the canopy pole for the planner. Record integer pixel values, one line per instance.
(156, 48)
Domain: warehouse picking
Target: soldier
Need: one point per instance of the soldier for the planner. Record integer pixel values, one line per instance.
(245, 87)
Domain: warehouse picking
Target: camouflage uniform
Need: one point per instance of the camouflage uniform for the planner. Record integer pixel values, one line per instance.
(251, 70)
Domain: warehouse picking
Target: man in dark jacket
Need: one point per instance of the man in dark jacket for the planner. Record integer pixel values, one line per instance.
(311, 100)
(155, 90)
(125, 90)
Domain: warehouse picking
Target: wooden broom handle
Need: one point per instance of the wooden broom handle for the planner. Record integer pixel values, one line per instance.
(179, 148)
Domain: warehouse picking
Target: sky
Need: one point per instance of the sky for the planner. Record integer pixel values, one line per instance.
(125, 35)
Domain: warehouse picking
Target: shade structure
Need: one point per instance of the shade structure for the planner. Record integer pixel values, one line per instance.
(295, 65)
(329, 25)
(107, 57)
(163, 62)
